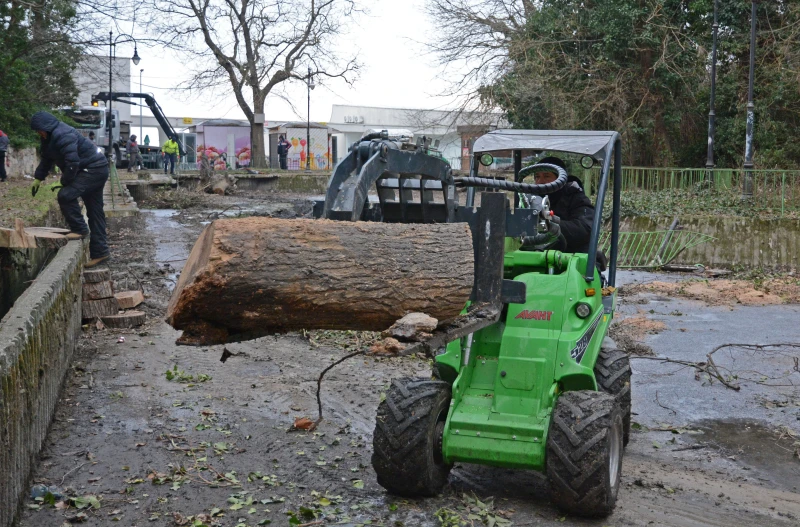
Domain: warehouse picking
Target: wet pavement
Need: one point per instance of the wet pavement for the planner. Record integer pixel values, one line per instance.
(157, 451)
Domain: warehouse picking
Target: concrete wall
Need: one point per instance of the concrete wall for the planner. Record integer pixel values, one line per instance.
(740, 241)
(37, 339)
(21, 162)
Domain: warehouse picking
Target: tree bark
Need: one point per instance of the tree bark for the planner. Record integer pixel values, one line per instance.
(97, 290)
(258, 155)
(92, 276)
(252, 277)
(99, 308)
(128, 319)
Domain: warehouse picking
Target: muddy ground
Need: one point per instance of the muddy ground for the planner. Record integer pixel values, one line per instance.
(207, 443)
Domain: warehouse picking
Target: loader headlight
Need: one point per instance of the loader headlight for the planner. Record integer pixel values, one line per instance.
(583, 310)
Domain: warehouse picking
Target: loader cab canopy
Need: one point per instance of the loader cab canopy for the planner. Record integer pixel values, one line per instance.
(597, 145)
(602, 146)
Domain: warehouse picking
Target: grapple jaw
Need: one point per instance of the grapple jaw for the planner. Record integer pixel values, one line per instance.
(407, 180)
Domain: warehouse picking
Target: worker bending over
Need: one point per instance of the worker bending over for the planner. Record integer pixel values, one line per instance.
(84, 172)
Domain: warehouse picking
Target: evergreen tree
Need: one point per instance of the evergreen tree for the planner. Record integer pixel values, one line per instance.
(36, 62)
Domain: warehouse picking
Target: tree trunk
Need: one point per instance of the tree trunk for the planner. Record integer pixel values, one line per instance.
(251, 277)
(258, 156)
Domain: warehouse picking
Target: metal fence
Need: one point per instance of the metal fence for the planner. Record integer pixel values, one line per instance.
(775, 190)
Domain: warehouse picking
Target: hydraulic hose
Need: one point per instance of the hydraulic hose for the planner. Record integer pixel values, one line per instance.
(527, 188)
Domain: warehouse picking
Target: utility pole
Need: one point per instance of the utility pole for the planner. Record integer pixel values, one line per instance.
(311, 86)
(747, 186)
(140, 105)
(711, 112)
(109, 148)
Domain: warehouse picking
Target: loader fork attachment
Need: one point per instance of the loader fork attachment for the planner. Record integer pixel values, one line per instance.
(408, 183)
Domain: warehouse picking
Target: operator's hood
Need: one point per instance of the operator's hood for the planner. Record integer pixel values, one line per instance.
(44, 121)
(573, 185)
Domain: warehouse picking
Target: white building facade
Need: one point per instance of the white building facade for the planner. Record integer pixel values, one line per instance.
(352, 122)
(91, 77)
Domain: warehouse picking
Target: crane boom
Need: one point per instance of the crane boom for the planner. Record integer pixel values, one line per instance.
(158, 113)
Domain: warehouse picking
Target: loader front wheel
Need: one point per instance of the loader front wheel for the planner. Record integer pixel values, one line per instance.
(613, 374)
(407, 444)
(584, 453)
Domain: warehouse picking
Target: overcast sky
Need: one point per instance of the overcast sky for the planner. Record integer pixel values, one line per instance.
(397, 72)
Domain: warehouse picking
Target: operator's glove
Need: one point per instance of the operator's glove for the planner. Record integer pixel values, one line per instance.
(553, 231)
(542, 240)
(56, 186)
(35, 187)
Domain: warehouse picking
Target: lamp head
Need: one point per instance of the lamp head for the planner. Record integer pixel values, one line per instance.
(135, 57)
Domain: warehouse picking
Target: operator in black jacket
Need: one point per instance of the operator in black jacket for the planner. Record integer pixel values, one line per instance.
(574, 213)
(84, 172)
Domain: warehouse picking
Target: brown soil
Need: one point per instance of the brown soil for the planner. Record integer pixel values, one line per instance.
(781, 290)
(629, 333)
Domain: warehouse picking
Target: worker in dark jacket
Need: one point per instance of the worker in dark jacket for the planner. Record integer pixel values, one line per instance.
(3, 150)
(573, 212)
(84, 172)
(283, 151)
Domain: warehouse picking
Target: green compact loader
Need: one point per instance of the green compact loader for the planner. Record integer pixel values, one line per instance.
(525, 377)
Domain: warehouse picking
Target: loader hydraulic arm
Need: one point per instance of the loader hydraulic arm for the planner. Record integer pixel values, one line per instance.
(158, 113)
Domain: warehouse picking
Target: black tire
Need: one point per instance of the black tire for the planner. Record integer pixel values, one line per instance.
(584, 453)
(613, 375)
(407, 449)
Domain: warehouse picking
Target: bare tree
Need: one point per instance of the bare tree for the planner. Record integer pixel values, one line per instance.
(252, 46)
(480, 40)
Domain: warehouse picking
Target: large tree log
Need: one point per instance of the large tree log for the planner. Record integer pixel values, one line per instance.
(252, 277)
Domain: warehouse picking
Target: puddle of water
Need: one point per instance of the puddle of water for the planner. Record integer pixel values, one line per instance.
(755, 445)
(171, 241)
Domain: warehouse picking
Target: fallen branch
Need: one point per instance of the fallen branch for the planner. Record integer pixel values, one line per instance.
(70, 472)
(714, 371)
(319, 387)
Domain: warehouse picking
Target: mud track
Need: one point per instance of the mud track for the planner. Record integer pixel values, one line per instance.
(157, 451)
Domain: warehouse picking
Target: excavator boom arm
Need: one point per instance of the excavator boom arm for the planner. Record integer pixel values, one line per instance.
(158, 113)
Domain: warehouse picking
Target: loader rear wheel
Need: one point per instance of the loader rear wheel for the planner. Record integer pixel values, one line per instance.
(584, 453)
(613, 374)
(407, 444)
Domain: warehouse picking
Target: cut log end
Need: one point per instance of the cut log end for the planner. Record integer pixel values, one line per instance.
(128, 319)
(129, 299)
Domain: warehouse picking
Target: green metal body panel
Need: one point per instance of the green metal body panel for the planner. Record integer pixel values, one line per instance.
(505, 389)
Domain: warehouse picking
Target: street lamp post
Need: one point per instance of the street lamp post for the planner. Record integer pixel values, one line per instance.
(311, 86)
(711, 113)
(747, 187)
(140, 105)
(111, 43)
